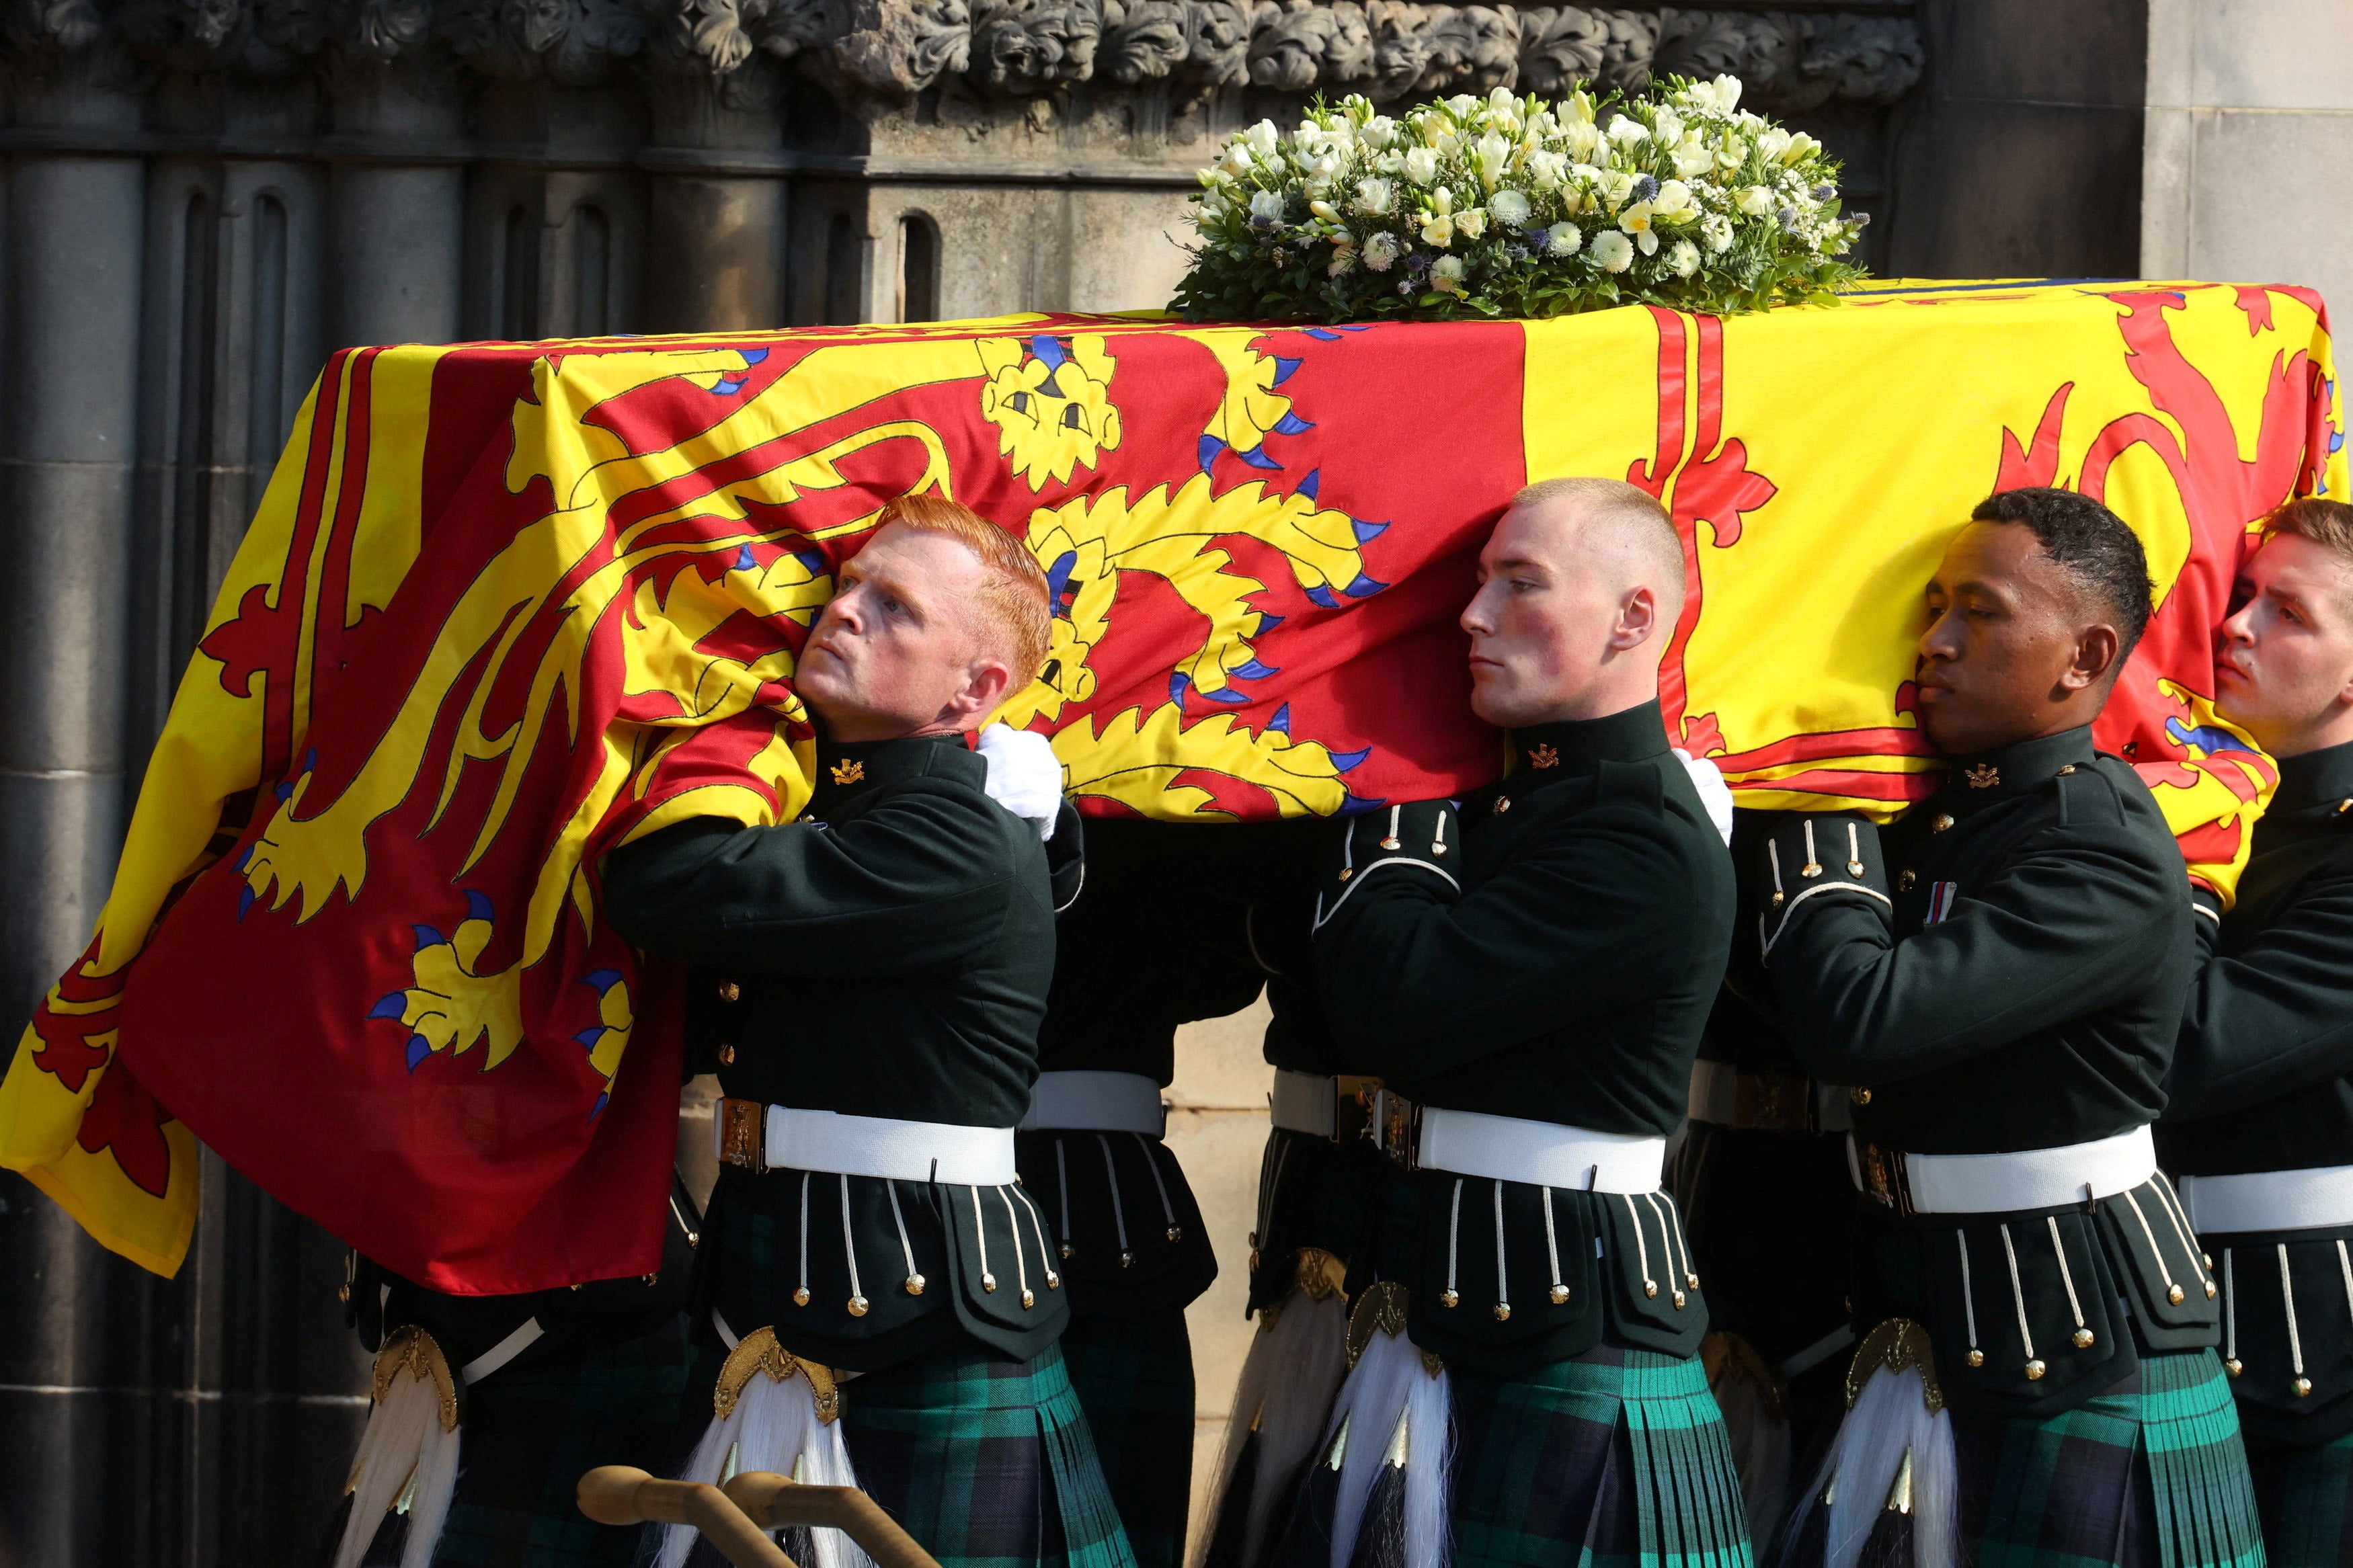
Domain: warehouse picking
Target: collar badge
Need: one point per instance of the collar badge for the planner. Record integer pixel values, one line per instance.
(1544, 757)
(849, 773)
(1985, 775)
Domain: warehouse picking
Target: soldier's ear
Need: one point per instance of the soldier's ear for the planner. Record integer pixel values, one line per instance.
(1638, 614)
(2096, 647)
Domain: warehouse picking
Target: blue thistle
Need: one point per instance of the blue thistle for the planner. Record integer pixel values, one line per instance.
(1787, 216)
(1646, 189)
(1823, 192)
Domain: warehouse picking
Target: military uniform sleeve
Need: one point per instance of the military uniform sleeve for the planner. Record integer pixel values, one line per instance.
(2063, 929)
(918, 883)
(1419, 978)
(2275, 1016)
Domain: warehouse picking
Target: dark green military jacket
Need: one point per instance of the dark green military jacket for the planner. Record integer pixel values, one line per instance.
(2001, 969)
(1548, 953)
(2262, 1080)
(893, 951)
(1154, 939)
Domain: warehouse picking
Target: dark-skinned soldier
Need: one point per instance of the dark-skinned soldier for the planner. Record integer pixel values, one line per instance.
(2259, 1123)
(1310, 1238)
(1529, 976)
(877, 1292)
(1153, 941)
(2000, 975)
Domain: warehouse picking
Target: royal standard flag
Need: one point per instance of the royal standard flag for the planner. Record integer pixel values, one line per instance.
(506, 606)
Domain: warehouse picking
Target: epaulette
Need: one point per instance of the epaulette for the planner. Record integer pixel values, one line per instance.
(1639, 782)
(2088, 795)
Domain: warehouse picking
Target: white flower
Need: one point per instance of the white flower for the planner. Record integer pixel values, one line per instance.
(1636, 220)
(1379, 131)
(1562, 240)
(1684, 258)
(1446, 277)
(1725, 90)
(1801, 146)
(1675, 202)
(1420, 165)
(1626, 132)
(1374, 196)
(1472, 222)
(1380, 252)
(1546, 168)
(1579, 139)
(1716, 230)
(1438, 229)
(1323, 211)
(1667, 126)
(1492, 155)
(1267, 203)
(1263, 137)
(1773, 142)
(1343, 239)
(1615, 185)
(1462, 104)
(1239, 161)
(1510, 206)
(1214, 204)
(1613, 250)
(1390, 163)
(1755, 201)
(1342, 261)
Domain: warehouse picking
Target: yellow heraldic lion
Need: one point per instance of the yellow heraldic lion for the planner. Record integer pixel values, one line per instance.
(1050, 403)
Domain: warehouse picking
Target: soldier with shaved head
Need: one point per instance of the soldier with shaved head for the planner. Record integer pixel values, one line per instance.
(1527, 972)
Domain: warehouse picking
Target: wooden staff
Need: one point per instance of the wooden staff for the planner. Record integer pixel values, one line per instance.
(778, 1502)
(620, 1494)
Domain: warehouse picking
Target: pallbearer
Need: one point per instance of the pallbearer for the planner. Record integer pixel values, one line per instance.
(1152, 939)
(1999, 974)
(2258, 1127)
(879, 1293)
(1311, 1239)
(1528, 975)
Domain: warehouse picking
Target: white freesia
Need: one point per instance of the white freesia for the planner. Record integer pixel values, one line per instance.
(1462, 105)
(1801, 147)
(1636, 221)
(1673, 202)
(1562, 240)
(1579, 138)
(1773, 142)
(1446, 277)
(1614, 251)
(1380, 252)
(1420, 165)
(1263, 138)
(1546, 168)
(1493, 155)
(1267, 203)
(1683, 257)
(1379, 131)
(1390, 164)
(1511, 207)
(1726, 92)
(1323, 211)
(1627, 130)
(1614, 186)
(1667, 127)
(1755, 201)
(1239, 160)
(1438, 229)
(1374, 196)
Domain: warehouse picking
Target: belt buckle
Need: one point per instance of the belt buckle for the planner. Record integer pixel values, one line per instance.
(1352, 1106)
(743, 1132)
(1771, 1101)
(1884, 1180)
(1397, 1130)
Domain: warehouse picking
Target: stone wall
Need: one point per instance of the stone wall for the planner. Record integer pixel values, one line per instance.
(2248, 138)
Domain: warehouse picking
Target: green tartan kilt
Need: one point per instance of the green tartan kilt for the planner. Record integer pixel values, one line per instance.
(1616, 1457)
(986, 1462)
(1134, 1377)
(531, 1430)
(2151, 1472)
(2306, 1495)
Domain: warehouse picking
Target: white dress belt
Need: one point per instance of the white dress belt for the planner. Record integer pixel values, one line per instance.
(2269, 1200)
(888, 1149)
(1541, 1153)
(1305, 1102)
(2027, 1179)
(1096, 1102)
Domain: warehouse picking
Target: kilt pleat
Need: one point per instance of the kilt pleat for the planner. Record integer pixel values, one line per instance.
(2151, 1472)
(1133, 1378)
(988, 1463)
(2305, 1497)
(1617, 1456)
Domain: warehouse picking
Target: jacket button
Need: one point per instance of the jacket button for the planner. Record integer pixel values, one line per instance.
(1903, 884)
(1944, 820)
(729, 992)
(1502, 804)
(1859, 1095)
(726, 1056)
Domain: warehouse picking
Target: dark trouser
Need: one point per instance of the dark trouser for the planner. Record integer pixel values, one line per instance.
(1133, 1376)
(530, 1431)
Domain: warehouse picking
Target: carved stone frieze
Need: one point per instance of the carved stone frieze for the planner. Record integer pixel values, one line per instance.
(1388, 49)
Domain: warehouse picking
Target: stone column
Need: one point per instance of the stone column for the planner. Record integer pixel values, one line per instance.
(397, 202)
(67, 434)
(716, 204)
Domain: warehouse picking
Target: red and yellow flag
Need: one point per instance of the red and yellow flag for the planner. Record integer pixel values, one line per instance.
(506, 606)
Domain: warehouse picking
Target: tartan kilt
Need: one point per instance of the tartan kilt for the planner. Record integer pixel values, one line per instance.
(1134, 1377)
(1615, 1456)
(986, 1462)
(2150, 1472)
(531, 1430)
(2306, 1495)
